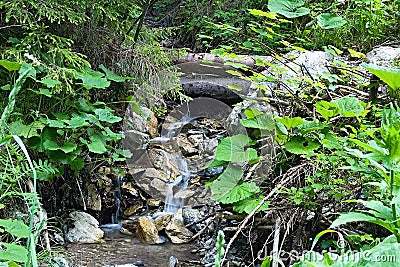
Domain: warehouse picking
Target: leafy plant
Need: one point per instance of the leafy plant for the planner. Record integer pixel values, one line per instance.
(229, 187)
(389, 75)
(219, 245)
(288, 8)
(384, 156)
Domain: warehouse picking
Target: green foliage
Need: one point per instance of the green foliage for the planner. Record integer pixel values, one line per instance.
(228, 188)
(288, 8)
(330, 21)
(219, 245)
(63, 135)
(389, 75)
(385, 158)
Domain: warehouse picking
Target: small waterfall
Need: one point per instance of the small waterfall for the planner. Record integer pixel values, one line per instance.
(115, 224)
(117, 197)
(172, 204)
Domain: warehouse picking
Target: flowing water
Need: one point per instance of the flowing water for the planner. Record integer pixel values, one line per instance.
(172, 204)
(115, 224)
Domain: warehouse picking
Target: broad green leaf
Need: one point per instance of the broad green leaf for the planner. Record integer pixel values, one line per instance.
(252, 112)
(390, 76)
(227, 180)
(352, 217)
(350, 106)
(90, 81)
(301, 145)
(288, 8)
(13, 252)
(227, 189)
(50, 83)
(330, 21)
(20, 129)
(55, 123)
(215, 163)
(45, 92)
(260, 13)
(77, 164)
(107, 116)
(311, 126)
(249, 204)
(6, 87)
(263, 122)
(97, 146)
(327, 109)
(266, 262)
(378, 209)
(10, 65)
(371, 146)
(27, 67)
(111, 75)
(68, 147)
(16, 228)
(233, 149)
(291, 123)
(77, 122)
(51, 145)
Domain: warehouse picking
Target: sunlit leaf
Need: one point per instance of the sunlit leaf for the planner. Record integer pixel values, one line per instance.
(330, 21)
(288, 8)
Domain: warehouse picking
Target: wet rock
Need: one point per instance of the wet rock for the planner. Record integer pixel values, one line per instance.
(147, 231)
(163, 221)
(152, 123)
(384, 56)
(93, 201)
(190, 216)
(176, 231)
(152, 202)
(135, 140)
(130, 225)
(130, 188)
(86, 229)
(165, 162)
(132, 210)
(196, 139)
(185, 145)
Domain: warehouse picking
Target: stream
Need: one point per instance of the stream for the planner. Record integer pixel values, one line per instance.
(120, 249)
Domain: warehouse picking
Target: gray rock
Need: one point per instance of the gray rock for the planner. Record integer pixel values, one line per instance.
(86, 229)
(299, 66)
(385, 56)
(176, 231)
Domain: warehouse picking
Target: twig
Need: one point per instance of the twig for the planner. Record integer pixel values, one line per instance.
(275, 247)
(244, 222)
(201, 231)
(10, 26)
